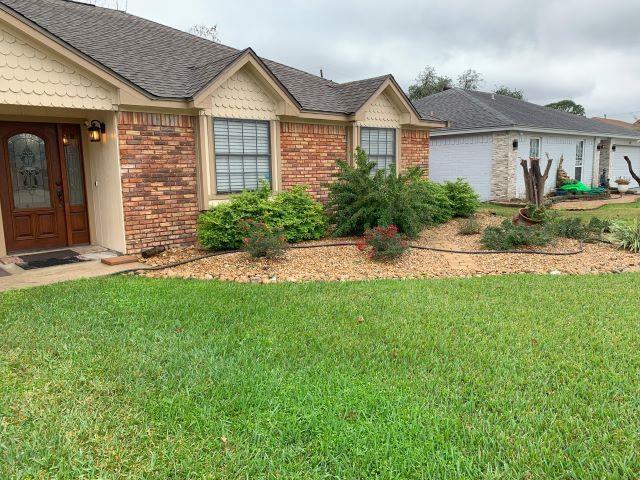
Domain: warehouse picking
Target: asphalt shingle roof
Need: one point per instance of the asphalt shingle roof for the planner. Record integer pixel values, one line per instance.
(469, 109)
(169, 63)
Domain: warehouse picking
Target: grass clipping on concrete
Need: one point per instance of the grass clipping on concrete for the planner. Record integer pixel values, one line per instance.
(495, 377)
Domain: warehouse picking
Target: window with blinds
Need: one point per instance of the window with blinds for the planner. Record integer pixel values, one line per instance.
(578, 162)
(380, 145)
(243, 154)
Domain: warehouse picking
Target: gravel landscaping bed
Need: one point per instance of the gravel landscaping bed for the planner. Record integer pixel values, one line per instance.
(347, 263)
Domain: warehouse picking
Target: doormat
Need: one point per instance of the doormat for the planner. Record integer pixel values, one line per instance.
(49, 259)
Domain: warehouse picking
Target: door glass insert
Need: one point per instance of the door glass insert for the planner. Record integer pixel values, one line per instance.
(29, 173)
(75, 179)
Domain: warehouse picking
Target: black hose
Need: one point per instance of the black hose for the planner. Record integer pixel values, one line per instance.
(351, 244)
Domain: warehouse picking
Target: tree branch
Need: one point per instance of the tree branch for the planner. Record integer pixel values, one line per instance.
(633, 174)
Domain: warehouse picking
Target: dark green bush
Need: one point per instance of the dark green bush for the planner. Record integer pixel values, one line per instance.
(510, 237)
(295, 213)
(464, 200)
(574, 227)
(360, 200)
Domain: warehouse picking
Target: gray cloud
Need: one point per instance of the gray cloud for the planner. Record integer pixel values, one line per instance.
(585, 50)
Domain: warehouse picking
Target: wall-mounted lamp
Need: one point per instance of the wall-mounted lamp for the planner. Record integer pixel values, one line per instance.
(613, 148)
(515, 144)
(599, 147)
(96, 130)
(65, 140)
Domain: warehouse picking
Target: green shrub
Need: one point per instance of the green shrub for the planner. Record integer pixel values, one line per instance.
(464, 200)
(509, 236)
(627, 235)
(538, 213)
(383, 243)
(469, 226)
(260, 240)
(570, 227)
(360, 200)
(435, 207)
(298, 215)
(295, 213)
(574, 227)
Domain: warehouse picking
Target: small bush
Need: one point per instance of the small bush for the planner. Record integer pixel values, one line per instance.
(360, 200)
(383, 243)
(435, 206)
(538, 213)
(294, 212)
(260, 240)
(627, 235)
(571, 227)
(463, 199)
(298, 215)
(509, 236)
(469, 226)
(574, 227)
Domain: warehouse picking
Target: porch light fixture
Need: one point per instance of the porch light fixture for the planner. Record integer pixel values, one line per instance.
(96, 130)
(515, 144)
(613, 148)
(65, 140)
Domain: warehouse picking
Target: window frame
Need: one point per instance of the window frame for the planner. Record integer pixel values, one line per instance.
(270, 155)
(531, 140)
(388, 167)
(578, 176)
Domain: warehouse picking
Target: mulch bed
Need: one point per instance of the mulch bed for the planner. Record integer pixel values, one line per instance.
(347, 263)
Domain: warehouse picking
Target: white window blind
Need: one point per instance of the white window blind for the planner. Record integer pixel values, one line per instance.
(380, 145)
(579, 159)
(243, 154)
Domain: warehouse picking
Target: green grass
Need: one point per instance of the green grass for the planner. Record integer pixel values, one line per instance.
(614, 211)
(504, 377)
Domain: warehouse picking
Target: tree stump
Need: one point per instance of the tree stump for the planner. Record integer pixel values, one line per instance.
(534, 179)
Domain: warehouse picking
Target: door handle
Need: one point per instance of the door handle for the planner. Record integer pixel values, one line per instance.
(60, 195)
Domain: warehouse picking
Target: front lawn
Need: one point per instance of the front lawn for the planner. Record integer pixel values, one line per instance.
(494, 377)
(612, 211)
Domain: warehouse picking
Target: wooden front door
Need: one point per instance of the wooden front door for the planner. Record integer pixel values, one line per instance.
(42, 186)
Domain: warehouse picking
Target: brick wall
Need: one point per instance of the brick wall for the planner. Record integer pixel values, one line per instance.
(414, 149)
(309, 154)
(158, 167)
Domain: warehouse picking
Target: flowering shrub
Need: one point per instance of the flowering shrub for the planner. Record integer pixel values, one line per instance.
(382, 243)
(260, 240)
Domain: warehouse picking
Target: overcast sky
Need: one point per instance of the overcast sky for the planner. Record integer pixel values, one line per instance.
(579, 49)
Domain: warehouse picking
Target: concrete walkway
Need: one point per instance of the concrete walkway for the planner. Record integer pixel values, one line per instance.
(19, 278)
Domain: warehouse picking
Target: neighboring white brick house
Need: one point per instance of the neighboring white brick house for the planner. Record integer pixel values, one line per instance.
(490, 134)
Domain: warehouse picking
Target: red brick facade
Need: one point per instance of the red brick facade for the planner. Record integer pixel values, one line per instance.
(309, 154)
(158, 167)
(414, 149)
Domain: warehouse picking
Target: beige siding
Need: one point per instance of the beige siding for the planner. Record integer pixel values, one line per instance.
(242, 96)
(32, 76)
(381, 113)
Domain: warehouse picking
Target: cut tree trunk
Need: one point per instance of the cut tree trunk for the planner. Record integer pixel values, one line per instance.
(534, 179)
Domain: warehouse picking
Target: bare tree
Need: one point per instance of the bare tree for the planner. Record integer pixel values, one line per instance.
(210, 32)
(470, 79)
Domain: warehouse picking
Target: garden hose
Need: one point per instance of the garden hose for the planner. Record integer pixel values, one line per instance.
(353, 244)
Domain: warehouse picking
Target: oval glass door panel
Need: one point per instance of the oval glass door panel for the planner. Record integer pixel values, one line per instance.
(29, 174)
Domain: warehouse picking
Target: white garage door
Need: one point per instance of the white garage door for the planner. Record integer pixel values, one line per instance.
(619, 167)
(467, 157)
